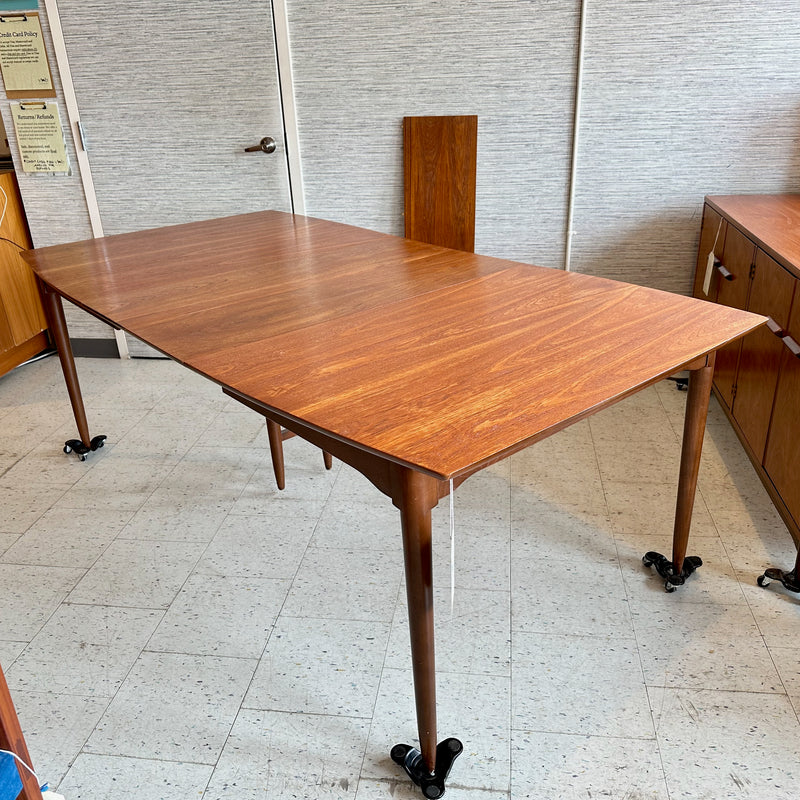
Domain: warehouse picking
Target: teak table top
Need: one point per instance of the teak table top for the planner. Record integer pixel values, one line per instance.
(439, 360)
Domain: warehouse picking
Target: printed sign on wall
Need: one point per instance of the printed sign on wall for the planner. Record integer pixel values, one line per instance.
(40, 137)
(23, 58)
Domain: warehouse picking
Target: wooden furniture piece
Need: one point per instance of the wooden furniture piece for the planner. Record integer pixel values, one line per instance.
(22, 323)
(415, 364)
(11, 739)
(754, 242)
(439, 168)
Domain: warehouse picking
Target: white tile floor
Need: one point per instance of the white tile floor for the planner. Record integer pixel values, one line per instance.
(171, 626)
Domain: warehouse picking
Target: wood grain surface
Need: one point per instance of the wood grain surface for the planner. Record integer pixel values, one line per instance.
(436, 359)
(439, 163)
(17, 283)
(772, 221)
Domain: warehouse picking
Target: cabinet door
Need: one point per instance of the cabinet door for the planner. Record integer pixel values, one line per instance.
(782, 457)
(6, 335)
(737, 258)
(18, 291)
(712, 238)
(771, 293)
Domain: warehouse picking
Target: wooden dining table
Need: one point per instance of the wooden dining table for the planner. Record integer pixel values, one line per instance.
(415, 364)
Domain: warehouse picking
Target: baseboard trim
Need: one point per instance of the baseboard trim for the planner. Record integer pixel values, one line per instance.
(94, 348)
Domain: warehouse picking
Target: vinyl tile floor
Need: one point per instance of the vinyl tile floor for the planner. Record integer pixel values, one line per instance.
(172, 626)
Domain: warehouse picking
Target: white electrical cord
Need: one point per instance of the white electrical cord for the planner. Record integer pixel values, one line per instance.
(3, 215)
(43, 787)
(14, 755)
(452, 550)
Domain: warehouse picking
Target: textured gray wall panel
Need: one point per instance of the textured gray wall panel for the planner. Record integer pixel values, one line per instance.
(680, 100)
(359, 68)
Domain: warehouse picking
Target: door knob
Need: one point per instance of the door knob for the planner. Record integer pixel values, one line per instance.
(266, 145)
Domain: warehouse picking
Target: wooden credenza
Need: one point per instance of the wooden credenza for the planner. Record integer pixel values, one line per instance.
(22, 322)
(750, 244)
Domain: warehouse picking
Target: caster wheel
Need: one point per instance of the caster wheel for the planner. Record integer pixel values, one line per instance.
(83, 458)
(762, 580)
(454, 746)
(432, 792)
(669, 587)
(67, 449)
(97, 442)
(398, 753)
(646, 561)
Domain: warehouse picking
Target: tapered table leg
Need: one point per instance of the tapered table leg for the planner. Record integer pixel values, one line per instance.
(429, 766)
(54, 312)
(694, 427)
(416, 521)
(276, 451)
(676, 571)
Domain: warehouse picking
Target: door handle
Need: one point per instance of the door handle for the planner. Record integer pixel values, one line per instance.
(266, 145)
(794, 347)
(719, 266)
(775, 328)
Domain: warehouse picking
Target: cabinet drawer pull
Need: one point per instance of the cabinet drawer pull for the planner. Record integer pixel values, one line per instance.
(718, 266)
(794, 348)
(775, 328)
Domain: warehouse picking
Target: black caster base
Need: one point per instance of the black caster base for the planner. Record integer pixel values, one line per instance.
(410, 759)
(681, 384)
(788, 579)
(80, 449)
(665, 569)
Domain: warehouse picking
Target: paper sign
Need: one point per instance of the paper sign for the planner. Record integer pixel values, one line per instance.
(712, 260)
(40, 137)
(709, 273)
(23, 59)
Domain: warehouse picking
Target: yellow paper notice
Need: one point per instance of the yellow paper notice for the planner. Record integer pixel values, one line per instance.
(40, 137)
(23, 59)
